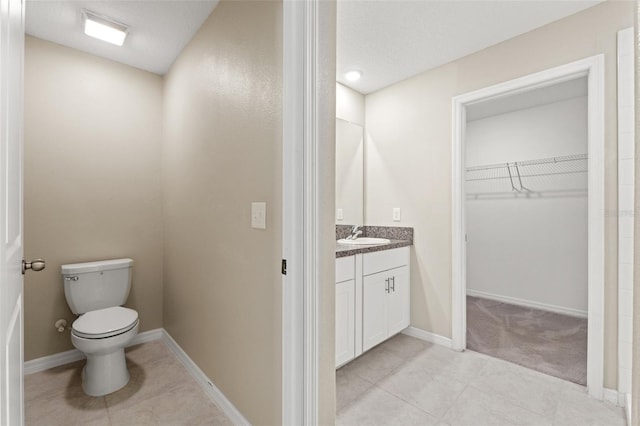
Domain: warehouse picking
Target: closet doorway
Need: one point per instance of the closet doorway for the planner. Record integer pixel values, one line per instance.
(528, 224)
(526, 216)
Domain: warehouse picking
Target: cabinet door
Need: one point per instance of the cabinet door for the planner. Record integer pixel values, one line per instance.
(374, 309)
(345, 322)
(398, 307)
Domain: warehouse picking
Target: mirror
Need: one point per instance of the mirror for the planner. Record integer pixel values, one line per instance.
(349, 173)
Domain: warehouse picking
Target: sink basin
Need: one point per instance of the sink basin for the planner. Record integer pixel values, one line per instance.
(364, 241)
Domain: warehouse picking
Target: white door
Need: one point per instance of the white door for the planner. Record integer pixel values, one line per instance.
(345, 322)
(375, 292)
(11, 58)
(398, 301)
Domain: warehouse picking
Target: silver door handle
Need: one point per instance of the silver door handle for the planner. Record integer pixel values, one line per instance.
(393, 286)
(386, 286)
(35, 265)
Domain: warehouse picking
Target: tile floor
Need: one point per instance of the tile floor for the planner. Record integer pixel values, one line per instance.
(406, 381)
(160, 392)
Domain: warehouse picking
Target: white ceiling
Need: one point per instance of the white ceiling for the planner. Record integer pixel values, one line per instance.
(388, 40)
(391, 40)
(158, 31)
(532, 98)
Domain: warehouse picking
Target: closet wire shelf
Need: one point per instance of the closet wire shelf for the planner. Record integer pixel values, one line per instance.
(520, 175)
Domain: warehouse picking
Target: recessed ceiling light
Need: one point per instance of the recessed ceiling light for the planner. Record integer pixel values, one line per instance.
(353, 75)
(104, 28)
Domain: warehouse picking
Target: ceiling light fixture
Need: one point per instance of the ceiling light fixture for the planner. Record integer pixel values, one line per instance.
(104, 28)
(353, 75)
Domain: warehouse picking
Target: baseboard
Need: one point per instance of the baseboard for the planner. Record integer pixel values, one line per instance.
(528, 303)
(66, 357)
(207, 385)
(50, 361)
(627, 407)
(427, 336)
(610, 396)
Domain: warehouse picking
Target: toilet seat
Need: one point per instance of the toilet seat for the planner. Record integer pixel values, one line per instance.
(104, 323)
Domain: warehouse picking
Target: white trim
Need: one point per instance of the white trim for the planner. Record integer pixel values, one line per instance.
(311, 235)
(301, 220)
(427, 336)
(627, 407)
(147, 336)
(46, 362)
(73, 355)
(205, 383)
(611, 396)
(593, 68)
(626, 189)
(292, 219)
(528, 303)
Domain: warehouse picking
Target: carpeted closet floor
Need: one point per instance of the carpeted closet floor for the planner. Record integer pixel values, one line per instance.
(551, 343)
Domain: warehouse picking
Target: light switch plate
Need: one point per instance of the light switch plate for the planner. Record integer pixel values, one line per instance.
(339, 215)
(259, 215)
(396, 214)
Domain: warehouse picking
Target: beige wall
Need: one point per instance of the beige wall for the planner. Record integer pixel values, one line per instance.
(92, 181)
(408, 154)
(326, 98)
(221, 151)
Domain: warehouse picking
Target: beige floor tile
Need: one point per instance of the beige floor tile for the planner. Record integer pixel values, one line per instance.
(418, 387)
(349, 386)
(377, 407)
(375, 364)
(577, 408)
(149, 379)
(66, 407)
(184, 405)
(462, 388)
(160, 392)
(447, 363)
(55, 397)
(529, 389)
(43, 383)
(477, 407)
(406, 347)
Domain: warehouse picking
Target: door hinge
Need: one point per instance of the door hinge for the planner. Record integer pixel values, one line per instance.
(284, 266)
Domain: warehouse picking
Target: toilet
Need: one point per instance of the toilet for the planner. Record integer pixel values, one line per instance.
(96, 292)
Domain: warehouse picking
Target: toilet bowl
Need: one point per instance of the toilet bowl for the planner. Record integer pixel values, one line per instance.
(95, 291)
(102, 336)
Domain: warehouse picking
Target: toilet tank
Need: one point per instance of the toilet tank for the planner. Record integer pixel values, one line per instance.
(96, 285)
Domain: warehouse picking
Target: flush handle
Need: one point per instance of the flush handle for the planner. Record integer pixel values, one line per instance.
(73, 278)
(34, 265)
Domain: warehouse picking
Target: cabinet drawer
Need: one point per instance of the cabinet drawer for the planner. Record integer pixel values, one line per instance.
(345, 268)
(384, 260)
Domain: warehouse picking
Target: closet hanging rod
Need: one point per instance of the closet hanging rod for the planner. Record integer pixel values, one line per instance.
(549, 160)
(527, 176)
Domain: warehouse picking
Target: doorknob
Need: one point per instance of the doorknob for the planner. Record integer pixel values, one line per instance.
(34, 265)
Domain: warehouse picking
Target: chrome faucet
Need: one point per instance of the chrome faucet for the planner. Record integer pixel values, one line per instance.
(355, 233)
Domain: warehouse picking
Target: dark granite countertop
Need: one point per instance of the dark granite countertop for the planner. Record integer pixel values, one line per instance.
(343, 250)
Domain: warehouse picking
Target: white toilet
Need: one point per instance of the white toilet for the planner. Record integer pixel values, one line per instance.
(96, 291)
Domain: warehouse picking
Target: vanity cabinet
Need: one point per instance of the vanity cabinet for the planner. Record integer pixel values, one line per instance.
(372, 300)
(385, 305)
(345, 309)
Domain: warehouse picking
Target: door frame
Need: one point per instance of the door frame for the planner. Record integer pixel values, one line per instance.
(593, 68)
(301, 215)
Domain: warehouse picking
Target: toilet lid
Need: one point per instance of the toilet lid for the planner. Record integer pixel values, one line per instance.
(105, 322)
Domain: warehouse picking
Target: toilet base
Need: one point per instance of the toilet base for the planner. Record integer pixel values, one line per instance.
(104, 374)
(106, 368)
